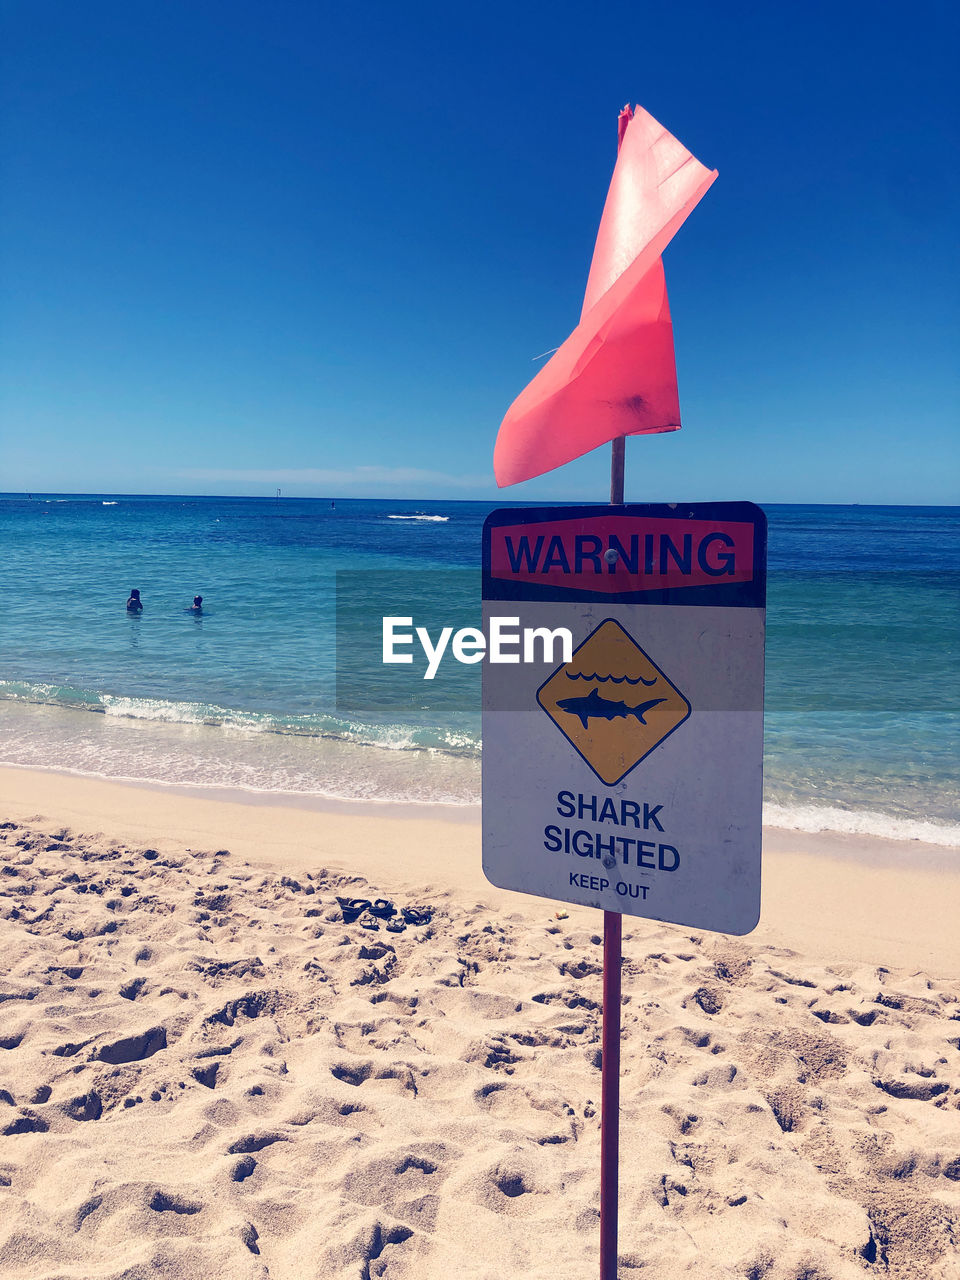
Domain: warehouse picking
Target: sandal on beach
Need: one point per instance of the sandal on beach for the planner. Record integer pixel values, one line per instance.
(396, 926)
(351, 908)
(383, 909)
(417, 915)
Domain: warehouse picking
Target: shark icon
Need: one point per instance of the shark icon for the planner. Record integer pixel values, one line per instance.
(593, 707)
(581, 698)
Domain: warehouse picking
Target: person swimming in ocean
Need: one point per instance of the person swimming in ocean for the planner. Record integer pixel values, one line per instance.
(197, 606)
(134, 603)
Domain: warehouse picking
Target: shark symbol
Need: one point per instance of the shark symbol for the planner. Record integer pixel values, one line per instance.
(606, 663)
(593, 707)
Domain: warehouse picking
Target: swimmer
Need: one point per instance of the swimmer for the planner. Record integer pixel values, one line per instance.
(197, 606)
(134, 603)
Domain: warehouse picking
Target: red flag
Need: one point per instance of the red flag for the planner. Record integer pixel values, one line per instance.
(615, 375)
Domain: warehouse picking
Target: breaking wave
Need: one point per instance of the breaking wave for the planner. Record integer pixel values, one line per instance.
(391, 736)
(815, 819)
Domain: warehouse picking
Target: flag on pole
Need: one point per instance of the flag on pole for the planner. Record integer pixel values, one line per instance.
(615, 375)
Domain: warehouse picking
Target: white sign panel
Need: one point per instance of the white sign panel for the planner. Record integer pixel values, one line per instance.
(628, 777)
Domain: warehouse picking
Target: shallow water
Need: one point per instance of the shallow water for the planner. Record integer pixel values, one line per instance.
(862, 695)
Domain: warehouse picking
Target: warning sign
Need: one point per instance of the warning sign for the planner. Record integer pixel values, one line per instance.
(629, 777)
(610, 680)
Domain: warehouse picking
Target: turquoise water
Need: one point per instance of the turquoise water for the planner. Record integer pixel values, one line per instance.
(862, 692)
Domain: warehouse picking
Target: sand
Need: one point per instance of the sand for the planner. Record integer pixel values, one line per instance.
(205, 1072)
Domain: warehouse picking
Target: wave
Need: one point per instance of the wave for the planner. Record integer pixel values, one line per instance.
(860, 822)
(347, 794)
(174, 759)
(387, 736)
(421, 516)
(109, 504)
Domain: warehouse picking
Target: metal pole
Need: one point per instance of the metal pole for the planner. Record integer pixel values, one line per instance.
(610, 1037)
(612, 941)
(610, 1096)
(616, 470)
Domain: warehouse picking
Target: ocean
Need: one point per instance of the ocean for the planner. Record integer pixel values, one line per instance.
(862, 707)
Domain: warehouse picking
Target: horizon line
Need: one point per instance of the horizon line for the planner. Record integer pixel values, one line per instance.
(33, 495)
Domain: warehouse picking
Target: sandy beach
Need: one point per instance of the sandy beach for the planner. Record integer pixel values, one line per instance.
(206, 1072)
(501, 439)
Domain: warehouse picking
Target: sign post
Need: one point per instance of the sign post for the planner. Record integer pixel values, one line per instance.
(611, 1003)
(614, 376)
(627, 776)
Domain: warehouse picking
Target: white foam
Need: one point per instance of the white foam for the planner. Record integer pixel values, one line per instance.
(860, 822)
(394, 740)
(158, 709)
(349, 794)
(436, 519)
(234, 723)
(345, 761)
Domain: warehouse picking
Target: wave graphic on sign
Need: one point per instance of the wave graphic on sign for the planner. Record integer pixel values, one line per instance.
(582, 675)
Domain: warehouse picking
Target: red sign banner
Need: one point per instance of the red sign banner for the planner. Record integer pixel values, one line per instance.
(616, 553)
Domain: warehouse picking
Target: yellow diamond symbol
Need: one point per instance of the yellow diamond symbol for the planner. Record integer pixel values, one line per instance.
(612, 702)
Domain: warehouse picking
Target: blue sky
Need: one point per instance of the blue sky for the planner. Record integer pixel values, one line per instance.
(320, 246)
